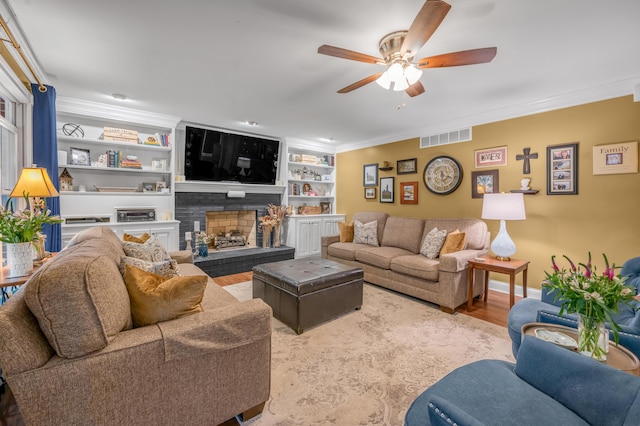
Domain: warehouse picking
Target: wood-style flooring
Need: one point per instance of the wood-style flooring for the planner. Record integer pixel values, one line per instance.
(494, 310)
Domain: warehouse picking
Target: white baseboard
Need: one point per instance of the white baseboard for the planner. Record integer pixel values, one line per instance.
(503, 287)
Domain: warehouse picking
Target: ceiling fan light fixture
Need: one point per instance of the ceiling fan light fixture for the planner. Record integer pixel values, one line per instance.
(384, 81)
(412, 74)
(395, 72)
(401, 85)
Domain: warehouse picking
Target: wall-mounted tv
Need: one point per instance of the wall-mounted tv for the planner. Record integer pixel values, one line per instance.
(213, 155)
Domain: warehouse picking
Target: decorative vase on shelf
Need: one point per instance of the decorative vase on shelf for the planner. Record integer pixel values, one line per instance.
(19, 259)
(593, 338)
(203, 249)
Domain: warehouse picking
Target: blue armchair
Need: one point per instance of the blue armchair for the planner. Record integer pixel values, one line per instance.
(546, 310)
(548, 385)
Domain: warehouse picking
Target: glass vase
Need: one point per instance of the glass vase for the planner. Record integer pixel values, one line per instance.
(203, 249)
(593, 338)
(276, 234)
(266, 236)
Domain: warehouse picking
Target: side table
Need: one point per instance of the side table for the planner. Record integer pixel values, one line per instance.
(618, 356)
(491, 264)
(6, 282)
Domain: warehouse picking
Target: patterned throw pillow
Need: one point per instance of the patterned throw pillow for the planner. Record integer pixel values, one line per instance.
(366, 233)
(152, 252)
(432, 243)
(155, 298)
(166, 268)
(454, 242)
(346, 232)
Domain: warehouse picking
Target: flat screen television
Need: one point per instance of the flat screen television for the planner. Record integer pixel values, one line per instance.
(213, 155)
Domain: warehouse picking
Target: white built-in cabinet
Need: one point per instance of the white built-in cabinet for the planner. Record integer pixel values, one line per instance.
(305, 231)
(99, 190)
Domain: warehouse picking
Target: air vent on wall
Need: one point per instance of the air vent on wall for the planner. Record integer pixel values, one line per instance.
(462, 135)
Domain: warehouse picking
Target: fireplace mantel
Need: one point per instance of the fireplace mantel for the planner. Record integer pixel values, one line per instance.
(225, 187)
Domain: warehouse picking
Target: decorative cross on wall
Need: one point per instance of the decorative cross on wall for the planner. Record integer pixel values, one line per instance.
(526, 166)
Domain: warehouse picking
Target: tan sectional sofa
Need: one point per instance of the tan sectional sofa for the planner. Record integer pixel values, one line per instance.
(76, 360)
(398, 265)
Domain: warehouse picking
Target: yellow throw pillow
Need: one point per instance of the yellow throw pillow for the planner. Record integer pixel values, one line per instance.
(155, 298)
(133, 239)
(346, 232)
(455, 241)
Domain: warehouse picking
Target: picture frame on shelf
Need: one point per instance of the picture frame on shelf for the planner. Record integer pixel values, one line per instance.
(160, 186)
(80, 157)
(370, 193)
(370, 175)
(490, 157)
(325, 207)
(562, 169)
(617, 158)
(484, 182)
(386, 190)
(408, 192)
(406, 167)
(148, 187)
(159, 164)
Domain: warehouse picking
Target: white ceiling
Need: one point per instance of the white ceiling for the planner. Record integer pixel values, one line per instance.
(220, 63)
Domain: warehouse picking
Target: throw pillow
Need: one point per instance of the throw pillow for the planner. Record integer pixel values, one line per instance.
(433, 242)
(166, 268)
(455, 241)
(133, 239)
(155, 298)
(346, 232)
(151, 250)
(366, 233)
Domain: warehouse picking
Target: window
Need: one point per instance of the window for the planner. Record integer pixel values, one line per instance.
(10, 151)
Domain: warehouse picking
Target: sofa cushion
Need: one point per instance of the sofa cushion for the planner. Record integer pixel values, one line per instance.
(346, 232)
(454, 242)
(432, 243)
(166, 268)
(476, 230)
(132, 238)
(380, 217)
(80, 299)
(380, 256)
(345, 251)
(416, 265)
(156, 298)
(365, 233)
(403, 232)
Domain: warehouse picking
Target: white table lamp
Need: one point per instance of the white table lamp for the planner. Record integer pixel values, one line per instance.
(503, 207)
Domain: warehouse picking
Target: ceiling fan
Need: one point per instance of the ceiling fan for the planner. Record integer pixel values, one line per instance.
(399, 48)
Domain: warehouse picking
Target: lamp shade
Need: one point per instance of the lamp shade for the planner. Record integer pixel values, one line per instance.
(34, 182)
(503, 206)
(384, 80)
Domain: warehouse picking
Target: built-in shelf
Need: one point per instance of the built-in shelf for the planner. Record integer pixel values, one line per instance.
(83, 141)
(324, 166)
(112, 169)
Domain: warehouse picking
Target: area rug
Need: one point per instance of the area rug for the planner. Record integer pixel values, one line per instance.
(366, 367)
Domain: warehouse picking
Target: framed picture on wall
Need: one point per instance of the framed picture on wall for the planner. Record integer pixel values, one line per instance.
(484, 182)
(370, 193)
(405, 167)
(562, 169)
(370, 175)
(386, 190)
(617, 158)
(408, 192)
(491, 157)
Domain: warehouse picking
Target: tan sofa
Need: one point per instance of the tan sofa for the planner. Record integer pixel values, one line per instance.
(85, 364)
(398, 265)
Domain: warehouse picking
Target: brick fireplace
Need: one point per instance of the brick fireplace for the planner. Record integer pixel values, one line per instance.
(233, 229)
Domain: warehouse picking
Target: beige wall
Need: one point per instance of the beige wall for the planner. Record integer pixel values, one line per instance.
(603, 218)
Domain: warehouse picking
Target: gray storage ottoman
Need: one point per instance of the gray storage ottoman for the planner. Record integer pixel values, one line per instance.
(304, 293)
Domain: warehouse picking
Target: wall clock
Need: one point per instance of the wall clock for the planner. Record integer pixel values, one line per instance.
(442, 175)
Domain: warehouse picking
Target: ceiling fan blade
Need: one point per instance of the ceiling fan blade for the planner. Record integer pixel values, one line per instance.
(360, 83)
(465, 57)
(426, 23)
(415, 89)
(339, 52)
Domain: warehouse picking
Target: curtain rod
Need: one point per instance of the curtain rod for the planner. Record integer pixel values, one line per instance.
(15, 44)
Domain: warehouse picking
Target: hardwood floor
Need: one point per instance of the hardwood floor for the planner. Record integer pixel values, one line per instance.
(494, 310)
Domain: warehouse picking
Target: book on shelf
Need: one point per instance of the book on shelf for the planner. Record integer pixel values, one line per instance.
(120, 135)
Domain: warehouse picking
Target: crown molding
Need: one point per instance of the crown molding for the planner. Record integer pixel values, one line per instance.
(579, 97)
(113, 112)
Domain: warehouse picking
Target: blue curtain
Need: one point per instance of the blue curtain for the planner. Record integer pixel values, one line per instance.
(45, 153)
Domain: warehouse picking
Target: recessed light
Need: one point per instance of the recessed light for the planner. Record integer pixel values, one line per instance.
(250, 123)
(119, 97)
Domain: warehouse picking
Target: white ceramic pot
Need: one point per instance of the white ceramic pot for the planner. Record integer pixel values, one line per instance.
(19, 259)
